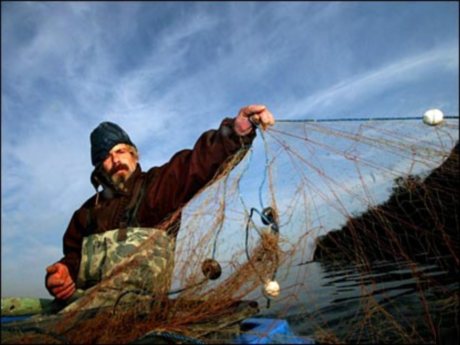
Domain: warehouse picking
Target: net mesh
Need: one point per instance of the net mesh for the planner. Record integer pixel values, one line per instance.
(389, 187)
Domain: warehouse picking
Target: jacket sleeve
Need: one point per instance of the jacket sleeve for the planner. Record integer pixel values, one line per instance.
(72, 242)
(190, 170)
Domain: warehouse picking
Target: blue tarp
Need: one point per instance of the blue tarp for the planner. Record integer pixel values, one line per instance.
(269, 331)
(7, 319)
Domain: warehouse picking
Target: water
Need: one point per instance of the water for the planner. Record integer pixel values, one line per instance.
(382, 302)
(395, 302)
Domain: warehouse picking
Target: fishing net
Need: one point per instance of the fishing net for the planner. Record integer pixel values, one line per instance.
(355, 219)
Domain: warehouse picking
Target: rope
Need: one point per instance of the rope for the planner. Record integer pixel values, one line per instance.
(247, 241)
(35, 329)
(268, 221)
(178, 290)
(169, 336)
(214, 246)
(265, 168)
(271, 222)
(360, 119)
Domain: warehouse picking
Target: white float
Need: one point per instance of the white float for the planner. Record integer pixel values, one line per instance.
(433, 117)
(271, 289)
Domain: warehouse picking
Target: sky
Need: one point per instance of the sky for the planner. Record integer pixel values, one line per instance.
(168, 71)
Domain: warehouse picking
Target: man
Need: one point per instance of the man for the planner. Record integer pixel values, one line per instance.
(151, 199)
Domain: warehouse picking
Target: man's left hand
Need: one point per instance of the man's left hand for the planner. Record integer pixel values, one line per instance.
(258, 114)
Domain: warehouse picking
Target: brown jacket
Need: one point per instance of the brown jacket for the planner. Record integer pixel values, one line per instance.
(156, 194)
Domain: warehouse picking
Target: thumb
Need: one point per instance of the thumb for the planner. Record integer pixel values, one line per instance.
(52, 269)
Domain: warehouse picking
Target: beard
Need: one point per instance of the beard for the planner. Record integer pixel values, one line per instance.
(119, 181)
(119, 175)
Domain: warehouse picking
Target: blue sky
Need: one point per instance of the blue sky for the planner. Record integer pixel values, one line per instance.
(167, 71)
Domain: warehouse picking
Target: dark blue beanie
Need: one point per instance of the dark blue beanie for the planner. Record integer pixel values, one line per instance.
(103, 138)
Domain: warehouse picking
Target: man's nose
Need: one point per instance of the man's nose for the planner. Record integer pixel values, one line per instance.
(115, 159)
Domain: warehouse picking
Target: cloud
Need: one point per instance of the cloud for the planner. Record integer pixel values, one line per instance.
(360, 88)
(166, 72)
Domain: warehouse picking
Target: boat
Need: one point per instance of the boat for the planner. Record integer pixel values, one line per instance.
(35, 320)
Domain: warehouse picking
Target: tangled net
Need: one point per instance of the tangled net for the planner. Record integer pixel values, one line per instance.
(358, 222)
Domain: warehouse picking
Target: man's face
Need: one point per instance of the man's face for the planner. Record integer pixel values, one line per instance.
(120, 163)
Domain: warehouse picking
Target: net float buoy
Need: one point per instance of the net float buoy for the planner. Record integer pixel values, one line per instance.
(271, 289)
(211, 269)
(433, 117)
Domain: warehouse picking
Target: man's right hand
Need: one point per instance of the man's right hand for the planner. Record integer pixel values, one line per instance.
(59, 282)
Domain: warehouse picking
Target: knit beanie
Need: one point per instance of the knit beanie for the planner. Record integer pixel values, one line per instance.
(103, 138)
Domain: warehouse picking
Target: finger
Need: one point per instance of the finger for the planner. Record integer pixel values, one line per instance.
(63, 287)
(66, 293)
(52, 269)
(255, 119)
(270, 118)
(55, 280)
(267, 119)
(260, 122)
(252, 109)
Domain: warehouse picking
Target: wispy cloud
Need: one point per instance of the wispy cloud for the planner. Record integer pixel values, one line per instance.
(376, 83)
(168, 71)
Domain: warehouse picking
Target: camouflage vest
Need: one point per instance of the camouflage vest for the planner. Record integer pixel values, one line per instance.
(140, 264)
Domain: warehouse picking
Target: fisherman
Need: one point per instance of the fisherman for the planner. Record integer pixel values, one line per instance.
(133, 204)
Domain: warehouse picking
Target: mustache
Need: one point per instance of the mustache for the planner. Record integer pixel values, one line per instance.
(117, 168)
